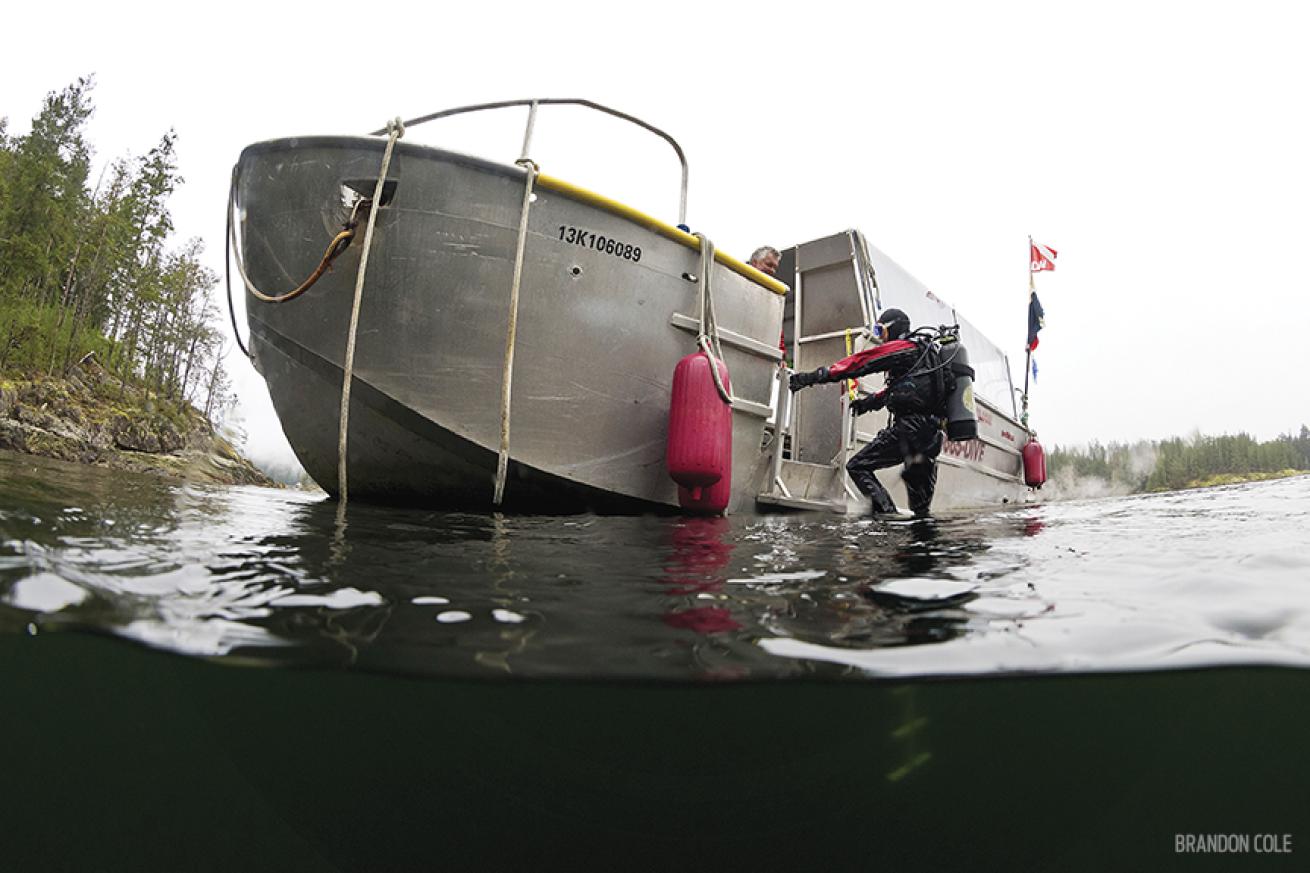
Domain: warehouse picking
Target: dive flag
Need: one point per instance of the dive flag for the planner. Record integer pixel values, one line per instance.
(1042, 258)
(1036, 319)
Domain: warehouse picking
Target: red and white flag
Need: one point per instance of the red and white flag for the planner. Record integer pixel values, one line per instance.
(1042, 258)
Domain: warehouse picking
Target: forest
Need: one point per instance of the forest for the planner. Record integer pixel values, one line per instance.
(89, 269)
(1165, 465)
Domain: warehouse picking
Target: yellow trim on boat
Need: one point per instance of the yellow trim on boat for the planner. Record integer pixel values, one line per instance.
(659, 227)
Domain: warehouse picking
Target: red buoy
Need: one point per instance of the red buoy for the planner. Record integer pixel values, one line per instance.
(1034, 463)
(699, 455)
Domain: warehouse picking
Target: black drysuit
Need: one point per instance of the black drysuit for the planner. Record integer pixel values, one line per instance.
(913, 439)
(916, 392)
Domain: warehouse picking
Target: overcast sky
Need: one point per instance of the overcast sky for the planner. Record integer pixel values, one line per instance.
(1161, 148)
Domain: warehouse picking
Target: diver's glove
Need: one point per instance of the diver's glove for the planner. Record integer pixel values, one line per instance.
(804, 380)
(869, 403)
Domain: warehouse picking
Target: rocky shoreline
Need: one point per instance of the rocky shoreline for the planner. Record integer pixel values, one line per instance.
(91, 418)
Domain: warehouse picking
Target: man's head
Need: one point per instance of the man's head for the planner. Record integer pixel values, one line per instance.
(892, 324)
(765, 259)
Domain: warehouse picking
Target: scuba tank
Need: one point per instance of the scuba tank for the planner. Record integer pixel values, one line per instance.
(961, 413)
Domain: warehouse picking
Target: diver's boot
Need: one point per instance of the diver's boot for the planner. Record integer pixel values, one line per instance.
(882, 502)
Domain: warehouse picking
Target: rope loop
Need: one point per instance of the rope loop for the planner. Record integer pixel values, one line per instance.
(707, 338)
(334, 250)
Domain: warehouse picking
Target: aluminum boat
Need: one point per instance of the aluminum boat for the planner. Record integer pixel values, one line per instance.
(516, 335)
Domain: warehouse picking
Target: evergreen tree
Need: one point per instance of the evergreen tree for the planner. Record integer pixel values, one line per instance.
(44, 190)
(1181, 463)
(93, 271)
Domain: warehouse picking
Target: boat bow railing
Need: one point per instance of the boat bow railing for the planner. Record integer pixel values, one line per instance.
(532, 105)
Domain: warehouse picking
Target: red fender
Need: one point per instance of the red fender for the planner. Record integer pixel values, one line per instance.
(1034, 464)
(699, 451)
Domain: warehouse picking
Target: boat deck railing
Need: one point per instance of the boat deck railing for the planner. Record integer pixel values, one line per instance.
(781, 430)
(534, 102)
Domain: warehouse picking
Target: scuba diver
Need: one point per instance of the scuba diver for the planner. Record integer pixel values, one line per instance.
(927, 385)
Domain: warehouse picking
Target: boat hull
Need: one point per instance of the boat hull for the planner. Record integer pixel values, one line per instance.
(600, 329)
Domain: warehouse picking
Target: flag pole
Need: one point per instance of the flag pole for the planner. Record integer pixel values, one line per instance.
(1028, 352)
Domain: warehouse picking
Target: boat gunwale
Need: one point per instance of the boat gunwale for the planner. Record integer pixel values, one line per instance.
(558, 186)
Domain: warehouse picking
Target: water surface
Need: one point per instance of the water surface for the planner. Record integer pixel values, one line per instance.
(1208, 577)
(227, 679)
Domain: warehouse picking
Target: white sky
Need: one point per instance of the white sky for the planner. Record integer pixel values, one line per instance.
(1161, 148)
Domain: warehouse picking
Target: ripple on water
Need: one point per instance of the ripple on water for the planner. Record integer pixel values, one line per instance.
(1139, 582)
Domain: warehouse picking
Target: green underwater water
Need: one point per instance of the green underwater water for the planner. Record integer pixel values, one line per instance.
(118, 758)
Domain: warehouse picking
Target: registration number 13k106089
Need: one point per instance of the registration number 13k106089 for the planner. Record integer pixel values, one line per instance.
(608, 245)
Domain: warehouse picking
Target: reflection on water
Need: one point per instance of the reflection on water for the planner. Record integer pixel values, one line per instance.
(269, 576)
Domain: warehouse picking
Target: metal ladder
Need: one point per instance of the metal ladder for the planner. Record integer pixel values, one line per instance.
(814, 433)
(795, 484)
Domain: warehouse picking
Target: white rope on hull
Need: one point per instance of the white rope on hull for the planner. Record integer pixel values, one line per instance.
(502, 460)
(708, 339)
(396, 130)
